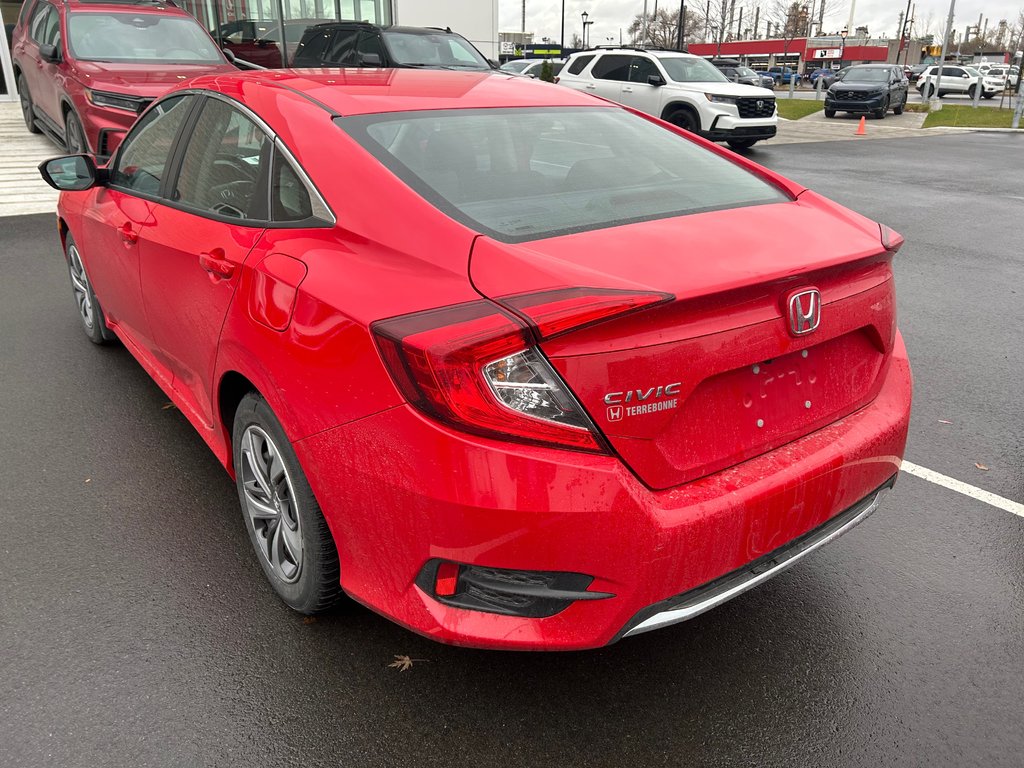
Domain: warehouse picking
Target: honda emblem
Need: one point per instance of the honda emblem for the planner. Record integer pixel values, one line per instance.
(760, 104)
(804, 312)
(614, 413)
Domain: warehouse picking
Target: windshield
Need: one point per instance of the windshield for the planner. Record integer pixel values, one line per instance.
(746, 72)
(440, 50)
(516, 66)
(143, 37)
(866, 76)
(691, 70)
(973, 72)
(524, 174)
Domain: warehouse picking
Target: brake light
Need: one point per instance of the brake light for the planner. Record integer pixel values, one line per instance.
(555, 312)
(474, 367)
(892, 240)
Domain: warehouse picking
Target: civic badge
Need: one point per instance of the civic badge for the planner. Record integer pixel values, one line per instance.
(804, 311)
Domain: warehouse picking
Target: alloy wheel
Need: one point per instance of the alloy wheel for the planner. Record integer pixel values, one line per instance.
(270, 504)
(80, 286)
(73, 138)
(26, 106)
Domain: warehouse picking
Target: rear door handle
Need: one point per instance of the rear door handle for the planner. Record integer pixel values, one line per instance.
(591, 87)
(215, 263)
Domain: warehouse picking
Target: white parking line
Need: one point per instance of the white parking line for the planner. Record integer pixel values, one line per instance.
(960, 487)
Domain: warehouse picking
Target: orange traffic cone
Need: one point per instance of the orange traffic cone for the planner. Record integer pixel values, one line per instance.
(861, 129)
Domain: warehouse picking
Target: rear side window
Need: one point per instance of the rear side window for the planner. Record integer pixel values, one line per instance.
(579, 64)
(142, 158)
(524, 174)
(226, 166)
(311, 51)
(289, 198)
(612, 68)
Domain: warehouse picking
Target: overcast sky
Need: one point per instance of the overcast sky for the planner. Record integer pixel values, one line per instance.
(542, 16)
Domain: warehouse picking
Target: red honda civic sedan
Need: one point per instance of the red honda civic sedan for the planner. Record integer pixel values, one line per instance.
(515, 367)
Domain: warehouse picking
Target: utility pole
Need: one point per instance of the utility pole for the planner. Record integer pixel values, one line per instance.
(757, 20)
(853, 7)
(934, 102)
(821, 17)
(681, 26)
(903, 32)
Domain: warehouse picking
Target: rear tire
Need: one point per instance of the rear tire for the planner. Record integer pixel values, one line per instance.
(90, 313)
(972, 91)
(27, 109)
(287, 529)
(685, 119)
(899, 110)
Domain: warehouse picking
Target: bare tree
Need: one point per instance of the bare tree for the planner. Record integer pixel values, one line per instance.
(789, 19)
(663, 27)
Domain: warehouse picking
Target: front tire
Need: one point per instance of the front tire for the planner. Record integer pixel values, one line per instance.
(880, 113)
(285, 524)
(74, 135)
(27, 109)
(90, 314)
(685, 119)
(830, 113)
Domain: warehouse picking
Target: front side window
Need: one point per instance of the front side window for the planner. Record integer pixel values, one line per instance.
(691, 70)
(341, 51)
(369, 45)
(225, 168)
(524, 174)
(612, 67)
(45, 29)
(141, 37)
(142, 158)
(641, 68)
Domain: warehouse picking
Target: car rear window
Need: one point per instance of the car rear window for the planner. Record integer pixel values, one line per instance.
(525, 174)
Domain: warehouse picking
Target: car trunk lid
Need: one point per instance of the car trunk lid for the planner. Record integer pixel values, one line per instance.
(714, 375)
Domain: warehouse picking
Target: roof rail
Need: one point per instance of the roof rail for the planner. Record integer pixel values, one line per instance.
(632, 48)
(164, 3)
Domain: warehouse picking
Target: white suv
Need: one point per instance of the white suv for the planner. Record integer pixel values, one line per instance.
(958, 80)
(683, 89)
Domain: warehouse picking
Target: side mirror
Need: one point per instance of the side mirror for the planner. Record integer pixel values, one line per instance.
(229, 55)
(73, 173)
(369, 60)
(965, 75)
(655, 80)
(49, 53)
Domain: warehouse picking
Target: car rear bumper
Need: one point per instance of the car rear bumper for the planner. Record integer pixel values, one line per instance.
(422, 493)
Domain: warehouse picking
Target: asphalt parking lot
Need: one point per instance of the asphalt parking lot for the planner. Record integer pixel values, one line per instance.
(137, 630)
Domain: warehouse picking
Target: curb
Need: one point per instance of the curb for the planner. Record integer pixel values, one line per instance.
(968, 129)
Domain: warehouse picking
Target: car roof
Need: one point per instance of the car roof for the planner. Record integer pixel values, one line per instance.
(125, 6)
(367, 91)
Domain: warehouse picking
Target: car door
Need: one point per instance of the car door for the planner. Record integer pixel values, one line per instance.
(900, 86)
(955, 80)
(114, 227)
(41, 75)
(214, 212)
(608, 74)
(638, 91)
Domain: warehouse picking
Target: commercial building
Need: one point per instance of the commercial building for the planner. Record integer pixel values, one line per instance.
(807, 54)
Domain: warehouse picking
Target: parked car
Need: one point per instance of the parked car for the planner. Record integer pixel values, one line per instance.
(86, 68)
(1000, 74)
(957, 80)
(517, 65)
(537, 65)
(915, 72)
(259, 41)
(818, 73)
(868, 89)
(737, 73)
(782, 75)
(683, 89)
(361, 44)
(547, 446)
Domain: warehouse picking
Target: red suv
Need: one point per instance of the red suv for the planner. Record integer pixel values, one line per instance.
(86, 69)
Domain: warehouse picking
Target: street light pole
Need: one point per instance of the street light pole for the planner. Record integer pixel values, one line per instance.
(563, 28)
(934, 102)
(584, 15)
(842, 45)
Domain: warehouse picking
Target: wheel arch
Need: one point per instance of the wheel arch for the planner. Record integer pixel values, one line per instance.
(675, 106)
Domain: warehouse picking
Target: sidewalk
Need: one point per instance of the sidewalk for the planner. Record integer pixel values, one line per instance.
(22, 190)
(843, 127)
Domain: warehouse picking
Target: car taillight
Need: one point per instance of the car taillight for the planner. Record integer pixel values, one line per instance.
(475, 367)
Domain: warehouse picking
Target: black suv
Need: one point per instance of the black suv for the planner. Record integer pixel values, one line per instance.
(359, 44)
(868, 89)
